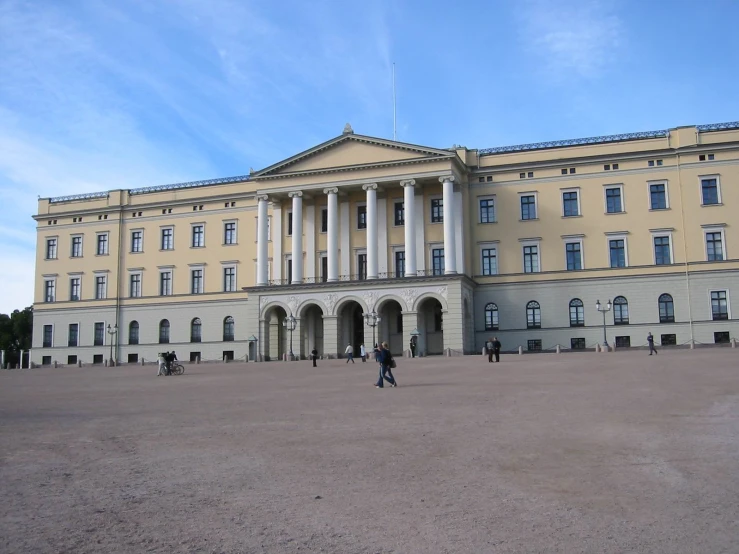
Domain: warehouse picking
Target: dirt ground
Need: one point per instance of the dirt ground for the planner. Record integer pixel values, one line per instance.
(602, 453)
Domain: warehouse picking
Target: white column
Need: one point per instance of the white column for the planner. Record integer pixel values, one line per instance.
(450, 245)
(382, 251)
(298, 237)
(261, 240)
(332, 240)
(409, 204)
(310, 242)
(346, 247)
(371, 230)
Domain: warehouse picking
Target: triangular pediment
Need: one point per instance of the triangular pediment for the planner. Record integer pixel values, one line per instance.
(352, 151)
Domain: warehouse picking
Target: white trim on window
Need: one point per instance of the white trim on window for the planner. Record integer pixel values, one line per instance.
(728, 304)
(394, 202)
(562, 193)
(104, 275)
(495, 208)
(430, 200)
(192, 233)
(130, 237)
(489, 246)
(236, 232)
(105, 332)
(605, 198)
(664, 182)
(718, 188)
(572, 240)
(621, 235)
(80, 236)
(140, 273)
(531, 242)
(535, 194)
(658, 233)
(170, 270)
(162, 228)
(55, 238)
(107, 243)
(193, 269)
(714, 229)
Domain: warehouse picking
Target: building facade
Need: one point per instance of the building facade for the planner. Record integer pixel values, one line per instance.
(451, 246)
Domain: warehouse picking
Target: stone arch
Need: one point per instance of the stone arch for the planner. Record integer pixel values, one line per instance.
(345, 299)
(305, 304)
(273, 304)
(311, 313)
(426, 296)
(386, 298)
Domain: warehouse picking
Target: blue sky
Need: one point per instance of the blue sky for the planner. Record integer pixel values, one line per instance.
(101, 95)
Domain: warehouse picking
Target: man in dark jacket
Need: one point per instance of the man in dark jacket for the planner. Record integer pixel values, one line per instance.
(496, 348)
(314, 355)
(385, 359)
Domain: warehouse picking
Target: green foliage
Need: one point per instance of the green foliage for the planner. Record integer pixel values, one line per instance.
(15, 333)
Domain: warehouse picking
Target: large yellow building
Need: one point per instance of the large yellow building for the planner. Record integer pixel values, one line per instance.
(452, 246)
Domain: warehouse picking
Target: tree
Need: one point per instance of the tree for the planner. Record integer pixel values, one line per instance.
(15, 334)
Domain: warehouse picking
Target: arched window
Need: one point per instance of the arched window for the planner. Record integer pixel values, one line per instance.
(491, 317)
(164, 331)
(533, 315)
(133, 332)
(228, 328)
(620, 311)
(666, 309)
(577, 313)
(196, 328)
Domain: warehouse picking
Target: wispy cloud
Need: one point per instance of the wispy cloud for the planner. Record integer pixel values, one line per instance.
(580, 36)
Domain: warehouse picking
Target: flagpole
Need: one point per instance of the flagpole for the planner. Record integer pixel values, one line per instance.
(395, 121)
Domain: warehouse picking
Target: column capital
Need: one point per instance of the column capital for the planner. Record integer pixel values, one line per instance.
(262, 197)
(370, 186)
(331, 190)
(408, 183)
(295, 193)
(449, 178)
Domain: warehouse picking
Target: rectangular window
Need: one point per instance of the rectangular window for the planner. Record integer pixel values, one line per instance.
(623, 342)
(574, 256)
(99, 334)
(613, 200)
(668, 340)
(72, 359)
(658, 196)
(133, 358)
(534, 345)
(662, 255)
(50, 290)
(289, 224)
(324, 269)
(97, 358)
(570, 204)
(714, 247)
(400, 264)
(437, 261)
(399, 209)
(577, 344)
(531, 259)
(721, 337)
(487, 210)
(74, 333)
(437, 210)
(100, 286)
(196, 281)
(361, 266)
(165, 283)
(229, 232)
(528, 207)
(719, 305)
(102, 244)
(51, 249)
(76, 247)
(198, 236)
(229, 279)
(167, 239)
(134, 285)
(617, 249)
(489, 261)
(48, 336)
(45, 360)
(74, 288)
(324, 220)
(137, 241)
(361, 217)
(710, 191)
(289, 270)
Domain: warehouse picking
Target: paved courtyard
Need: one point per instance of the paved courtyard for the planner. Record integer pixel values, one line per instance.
(541, 453)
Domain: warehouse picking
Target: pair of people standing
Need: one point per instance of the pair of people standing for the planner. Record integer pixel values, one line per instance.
(493, 347)
(165, 362)
(387, 363)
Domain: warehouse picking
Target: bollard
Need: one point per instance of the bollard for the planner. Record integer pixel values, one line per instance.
(558, 350)
(105, 363)
(733, 343)
(55, 366)
(520, 350)
(141, 361)
(692, 345)
(597, 347)
(197, 359)
(79, 363)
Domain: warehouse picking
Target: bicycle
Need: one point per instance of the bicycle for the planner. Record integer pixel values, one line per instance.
(177, 369)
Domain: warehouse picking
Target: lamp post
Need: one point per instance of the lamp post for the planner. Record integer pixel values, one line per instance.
(112, 331)
(372, 319)
(603, 310)
(290, 323)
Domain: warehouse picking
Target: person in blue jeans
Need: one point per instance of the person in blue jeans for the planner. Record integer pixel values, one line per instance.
(386, 374)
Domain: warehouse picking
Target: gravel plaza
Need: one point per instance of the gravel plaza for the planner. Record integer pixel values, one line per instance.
(602, 453)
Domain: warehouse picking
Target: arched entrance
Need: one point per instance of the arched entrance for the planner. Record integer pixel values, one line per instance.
(430, 327)
(390, 329)
(350, 323)
(311, 330)
(274, 335)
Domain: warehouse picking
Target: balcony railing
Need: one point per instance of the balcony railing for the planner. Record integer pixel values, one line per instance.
(358, 277)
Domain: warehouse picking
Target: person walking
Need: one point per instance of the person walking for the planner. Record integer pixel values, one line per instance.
(386, 362)
(349, 353)
(363, 352)
(489, 349)
(314, 355)
(162, 364)
(650, 342)
(496, 348)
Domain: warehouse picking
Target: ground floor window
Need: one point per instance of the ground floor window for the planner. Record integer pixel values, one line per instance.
(71, 359)
(577, 343)
(668, 340)
(228, 355)
(97, 358)
(133, 358)
(721, 337)
(46, 360)
(623, 342)
(534, 345)
(195, 356)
